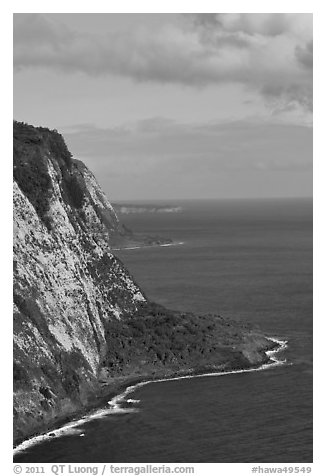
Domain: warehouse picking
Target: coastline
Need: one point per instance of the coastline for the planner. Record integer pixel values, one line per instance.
(116, 401)
(116, 397)
(175, 243)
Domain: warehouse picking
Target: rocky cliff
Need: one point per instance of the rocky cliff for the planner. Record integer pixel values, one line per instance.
(66, 282)
(81, 323)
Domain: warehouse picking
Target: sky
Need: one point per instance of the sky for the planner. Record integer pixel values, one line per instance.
(174, 106)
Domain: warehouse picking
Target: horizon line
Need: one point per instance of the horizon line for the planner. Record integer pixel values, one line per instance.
(125, 200)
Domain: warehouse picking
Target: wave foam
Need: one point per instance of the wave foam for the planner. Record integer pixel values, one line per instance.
(72, 428)
(115, 404)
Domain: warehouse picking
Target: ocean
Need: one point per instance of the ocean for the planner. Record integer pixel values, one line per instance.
(250, 260)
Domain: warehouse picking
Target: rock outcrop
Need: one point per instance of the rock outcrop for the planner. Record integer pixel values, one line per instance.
(81, 323)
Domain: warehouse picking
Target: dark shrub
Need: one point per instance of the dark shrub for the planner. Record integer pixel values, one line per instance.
(21, 378)
(33, 179)
(75, 192)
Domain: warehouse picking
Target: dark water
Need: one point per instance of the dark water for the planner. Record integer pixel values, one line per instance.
(248, 260)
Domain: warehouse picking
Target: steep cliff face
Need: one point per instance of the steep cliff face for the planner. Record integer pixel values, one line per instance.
(67, 284)
(82, 326)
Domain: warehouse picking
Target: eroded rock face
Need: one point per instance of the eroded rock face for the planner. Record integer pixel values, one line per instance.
(67, 284)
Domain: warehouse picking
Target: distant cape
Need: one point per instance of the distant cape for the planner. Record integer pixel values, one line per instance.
(127, 209)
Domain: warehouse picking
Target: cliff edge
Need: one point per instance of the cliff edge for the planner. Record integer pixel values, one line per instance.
(81, 324)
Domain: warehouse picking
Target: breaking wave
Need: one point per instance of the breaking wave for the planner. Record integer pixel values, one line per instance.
(120, 404)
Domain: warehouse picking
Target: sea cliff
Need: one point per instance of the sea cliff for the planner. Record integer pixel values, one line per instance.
(83, 327)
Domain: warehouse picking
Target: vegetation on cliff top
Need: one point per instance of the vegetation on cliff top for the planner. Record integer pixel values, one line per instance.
(33, 147)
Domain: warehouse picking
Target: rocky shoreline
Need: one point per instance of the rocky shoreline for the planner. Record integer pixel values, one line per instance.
(113, 393)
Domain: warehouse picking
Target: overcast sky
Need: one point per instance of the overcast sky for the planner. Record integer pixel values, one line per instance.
(174, 106)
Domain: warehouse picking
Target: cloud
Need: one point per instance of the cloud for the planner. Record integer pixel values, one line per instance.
(264, 51)
(265, 24)
(270, 53)
(156, 158)
(229, 144)
(305, 54)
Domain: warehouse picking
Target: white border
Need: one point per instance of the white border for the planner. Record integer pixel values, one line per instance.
(167, 6)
